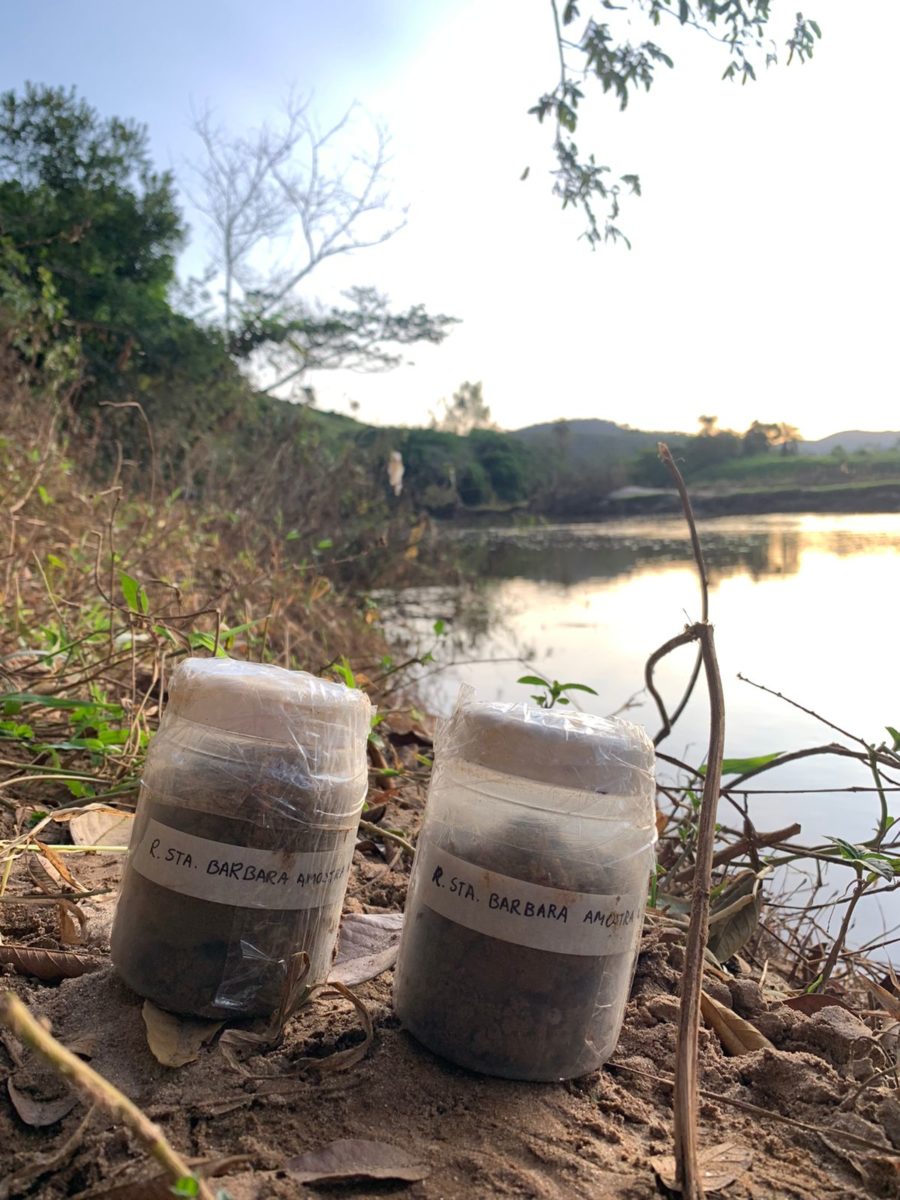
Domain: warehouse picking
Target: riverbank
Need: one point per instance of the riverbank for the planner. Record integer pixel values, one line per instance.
(722, 501)
(95, 622)
(790, 1110)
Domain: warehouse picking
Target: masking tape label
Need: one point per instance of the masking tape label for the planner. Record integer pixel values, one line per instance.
(238, 875)
(525, 913)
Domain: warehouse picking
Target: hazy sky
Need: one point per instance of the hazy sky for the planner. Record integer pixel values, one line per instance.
(763, 278)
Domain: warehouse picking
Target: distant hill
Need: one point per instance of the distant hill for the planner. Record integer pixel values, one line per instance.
(852, 440)
(591, 440)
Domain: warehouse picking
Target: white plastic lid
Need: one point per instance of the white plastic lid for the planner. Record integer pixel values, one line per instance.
(259, 700)
(561, 747)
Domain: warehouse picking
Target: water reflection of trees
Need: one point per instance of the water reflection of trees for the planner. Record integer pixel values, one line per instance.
(557, 556)
(473, 613)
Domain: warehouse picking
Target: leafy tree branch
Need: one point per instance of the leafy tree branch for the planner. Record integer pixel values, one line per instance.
(602, 51)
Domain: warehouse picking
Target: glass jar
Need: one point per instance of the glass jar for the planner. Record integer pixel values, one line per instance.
(243, 837)
(527, 894)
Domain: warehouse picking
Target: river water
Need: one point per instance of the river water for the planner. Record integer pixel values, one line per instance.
(805, 604)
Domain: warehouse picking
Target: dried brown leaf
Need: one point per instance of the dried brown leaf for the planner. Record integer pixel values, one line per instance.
(813, 1002)
(720, 1166)
(102, 826)
(736, 1035)
(176, 1040)
(339, 1060)
(49, 965)
(83, 1044)
(356, 1158)
(40, 1113)
(888, 999)
(367, 946)
(59, 866)
(294, 993)
(734, 917)
(342, 1060)
(72, 923)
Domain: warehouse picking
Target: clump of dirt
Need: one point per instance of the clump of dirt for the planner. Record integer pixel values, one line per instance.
(592, 1137)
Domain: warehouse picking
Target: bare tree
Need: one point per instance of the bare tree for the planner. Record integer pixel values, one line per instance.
(291, 194)
(287, 186)
(465, 412)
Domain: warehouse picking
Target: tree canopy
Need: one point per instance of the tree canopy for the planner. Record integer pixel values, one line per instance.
(80, 199)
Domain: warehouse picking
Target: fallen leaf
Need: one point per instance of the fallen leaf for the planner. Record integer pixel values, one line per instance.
(720, 1166)
(83, 1044)
(49, 965)
(736, 1035)
(294, 994)
(368, 945)
(102, 827)
(888, 999)
(72, 923)
(59, 866)
(356, 1158)
(40, 1113)
(813, 1002)
(173, 1040)
(734, 918)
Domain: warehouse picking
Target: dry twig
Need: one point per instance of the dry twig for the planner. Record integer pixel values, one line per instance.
(96, 1089)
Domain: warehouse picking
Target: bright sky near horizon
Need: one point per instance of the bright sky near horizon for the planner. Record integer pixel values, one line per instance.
(762, 282)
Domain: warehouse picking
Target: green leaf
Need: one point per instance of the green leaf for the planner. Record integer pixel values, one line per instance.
(533, 679)
(740, 766)
(78, 789)
(439, 626)
(130, 587)
(344, 671)
(814, 26)
(577, 687)
(13, 729)
(325, 544)
(187, 1185)
(895, 735)
(44, 494)
(292, 536)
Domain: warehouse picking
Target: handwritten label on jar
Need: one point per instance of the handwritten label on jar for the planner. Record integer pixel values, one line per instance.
(526, 913)
(239, 875)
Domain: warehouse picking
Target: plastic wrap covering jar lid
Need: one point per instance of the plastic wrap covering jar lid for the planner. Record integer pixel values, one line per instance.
(243, 836)
(527, 894)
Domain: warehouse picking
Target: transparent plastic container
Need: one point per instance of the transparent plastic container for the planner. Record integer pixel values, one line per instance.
(527, 894)
(243, 837)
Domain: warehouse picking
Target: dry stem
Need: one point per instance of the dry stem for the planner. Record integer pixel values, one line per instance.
(95, 1088)
(689, 1172)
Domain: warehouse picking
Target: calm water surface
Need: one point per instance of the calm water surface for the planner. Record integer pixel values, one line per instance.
(807, 605)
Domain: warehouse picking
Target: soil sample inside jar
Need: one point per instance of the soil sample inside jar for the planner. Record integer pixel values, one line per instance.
(524, 918)
(242, 845)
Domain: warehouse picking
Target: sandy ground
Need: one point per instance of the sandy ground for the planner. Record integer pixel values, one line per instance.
(605, 1135)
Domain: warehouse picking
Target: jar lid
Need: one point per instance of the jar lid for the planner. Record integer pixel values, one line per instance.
(564, 748)
(263, 701)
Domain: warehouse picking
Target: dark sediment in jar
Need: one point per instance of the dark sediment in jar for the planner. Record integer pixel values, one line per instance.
(508, 1009)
